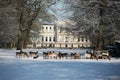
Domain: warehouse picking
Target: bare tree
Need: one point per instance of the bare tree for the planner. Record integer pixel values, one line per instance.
(8, 23)
(95, 18)
(20, 17)
(28, 11)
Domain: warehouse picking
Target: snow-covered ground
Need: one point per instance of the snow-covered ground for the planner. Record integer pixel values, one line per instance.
(12, 68)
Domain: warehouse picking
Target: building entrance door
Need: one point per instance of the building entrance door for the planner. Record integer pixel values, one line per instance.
(34, 45)
(66, 45)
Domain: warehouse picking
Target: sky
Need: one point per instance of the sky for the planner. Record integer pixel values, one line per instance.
(61, 12)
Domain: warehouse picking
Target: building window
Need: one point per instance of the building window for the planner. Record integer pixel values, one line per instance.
(42, 27)
(78, 39)
(72, 46)
(50, 28)
(46, 39)
(66, 39)
(82, 39)
(42, 38)
(53, 38)
(49, 38)
(86, 40)
(46, 28)
(66, 45)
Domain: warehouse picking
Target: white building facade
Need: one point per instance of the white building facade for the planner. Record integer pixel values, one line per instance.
(52, 36)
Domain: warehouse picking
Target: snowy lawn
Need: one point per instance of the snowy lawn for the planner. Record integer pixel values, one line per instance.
(12, 68)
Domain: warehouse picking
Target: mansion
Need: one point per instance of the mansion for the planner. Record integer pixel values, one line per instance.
(57, 37)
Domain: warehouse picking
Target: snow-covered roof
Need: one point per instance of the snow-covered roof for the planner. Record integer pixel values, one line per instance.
(118, 41)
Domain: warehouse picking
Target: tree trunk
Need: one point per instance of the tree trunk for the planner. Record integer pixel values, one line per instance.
(27, 36)
(101, 14)
(20, 41)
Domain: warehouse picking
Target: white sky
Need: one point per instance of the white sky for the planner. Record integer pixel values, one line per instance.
(61, 12)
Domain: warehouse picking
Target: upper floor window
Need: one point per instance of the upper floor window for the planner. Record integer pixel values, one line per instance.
(42, 27)
(46, 27)
(66, 39)
(50, 28)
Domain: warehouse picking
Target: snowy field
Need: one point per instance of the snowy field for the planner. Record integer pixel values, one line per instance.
(12, 68)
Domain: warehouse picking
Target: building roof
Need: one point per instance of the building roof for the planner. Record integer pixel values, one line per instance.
(48, 24)
(118, 41)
